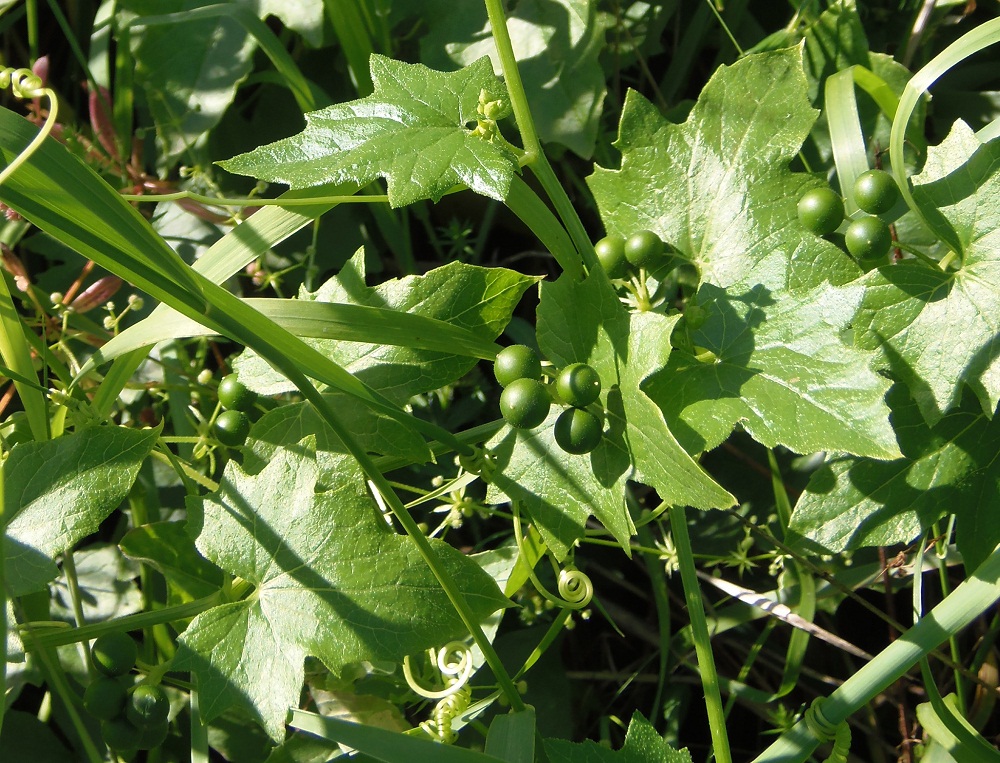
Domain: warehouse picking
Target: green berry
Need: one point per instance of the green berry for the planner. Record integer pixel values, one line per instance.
(114, 653)
(578, 384)
(516, 362)
(148, 706)
(524, 403)
(120, 735)
(868, 238)
(821, 210)
(151, 737)
(232, 428)
(611, 254)
(105, 698)
(644, 249)
(578, 431)
(876, 192)
(233, 395)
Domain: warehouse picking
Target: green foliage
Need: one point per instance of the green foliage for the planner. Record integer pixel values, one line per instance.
(332, 581)
(412, 131)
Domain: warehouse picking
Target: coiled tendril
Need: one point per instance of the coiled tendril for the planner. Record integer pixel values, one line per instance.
(455, 664)
(825, 731)
(438, 726)
(575, 588)
(24, 83)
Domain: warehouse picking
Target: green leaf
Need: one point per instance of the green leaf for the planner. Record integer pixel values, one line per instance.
(382, 745)
(106, 586)
(59, 491)
(168, 548)
(288, 424)
(853, 503)
(511, 737)
(332, 581)
(781, 371)
(189, 71)
(561, 491)
(415, 130)
(718, 187)
(477, 300)
(912, 311)
(557, 45)
(643, 744)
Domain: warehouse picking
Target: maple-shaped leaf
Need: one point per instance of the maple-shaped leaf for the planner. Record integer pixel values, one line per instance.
(939, 329)
(560, 490)
(718, 187)
(779, 368)
(332, 581)
(643, 744)
(417, 130)
(854, 503)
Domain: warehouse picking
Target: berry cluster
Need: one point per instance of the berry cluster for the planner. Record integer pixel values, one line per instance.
(233, 425)
(526, 400)
(618, 256)
(867, 237)
(132, 718)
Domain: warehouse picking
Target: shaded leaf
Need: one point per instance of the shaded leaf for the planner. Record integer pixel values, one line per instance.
(854, 503)
(643, 744)
(59, 491)
(332, 581)
(781, 371)
(912, 311)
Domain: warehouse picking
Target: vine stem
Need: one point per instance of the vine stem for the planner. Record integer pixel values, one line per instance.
(409, 525)
(700, 635)
(968, 601)
(534, 157)
(508, 62)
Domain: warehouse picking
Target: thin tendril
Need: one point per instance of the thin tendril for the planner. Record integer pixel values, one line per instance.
(456, 672)
(575, 587)
(25, 84)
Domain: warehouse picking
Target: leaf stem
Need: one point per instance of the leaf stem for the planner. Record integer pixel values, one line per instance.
(409, 525)
(515, 87)
(44, 639)
(699, 632)
(534, 213)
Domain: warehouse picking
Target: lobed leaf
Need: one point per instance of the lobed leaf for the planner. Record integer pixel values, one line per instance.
(332, 581)
(718, 187)
(414, 131)
(780, 370)
(854, 503)
(912, 312)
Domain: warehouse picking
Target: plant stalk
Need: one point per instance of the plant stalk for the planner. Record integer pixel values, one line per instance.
(967, 602)
(699, 632)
